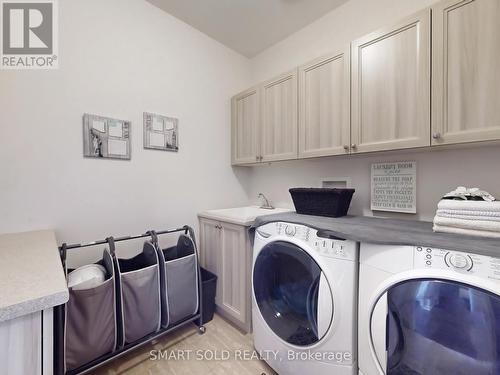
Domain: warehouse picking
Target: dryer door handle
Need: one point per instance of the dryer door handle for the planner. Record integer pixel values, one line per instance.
(325, 307)
(262, 233)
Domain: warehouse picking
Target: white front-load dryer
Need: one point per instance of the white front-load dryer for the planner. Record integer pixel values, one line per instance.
(304, 300)
(429, 311)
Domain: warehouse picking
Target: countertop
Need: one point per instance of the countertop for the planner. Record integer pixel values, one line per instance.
(389, 232)
(31, 274)
(240, 215)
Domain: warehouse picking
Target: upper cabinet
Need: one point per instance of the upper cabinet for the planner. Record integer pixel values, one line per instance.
(465, 80)
(264, 122)
(391, 87)
(377, 96)
(324, 105)
(279, 118)
(245, 127)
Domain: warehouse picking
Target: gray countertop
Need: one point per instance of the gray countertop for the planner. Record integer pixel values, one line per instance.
(31, 274)
(388, 231)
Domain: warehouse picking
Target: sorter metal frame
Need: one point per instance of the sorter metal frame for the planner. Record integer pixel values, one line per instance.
(59, 343)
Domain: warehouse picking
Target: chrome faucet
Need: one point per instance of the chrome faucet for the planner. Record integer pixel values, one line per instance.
(265, 202)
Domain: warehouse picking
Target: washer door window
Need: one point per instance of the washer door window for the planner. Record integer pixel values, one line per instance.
(442, 327)
(292, 294)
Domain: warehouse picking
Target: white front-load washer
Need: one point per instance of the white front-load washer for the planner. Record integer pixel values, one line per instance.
(304, 300)
(428, 311)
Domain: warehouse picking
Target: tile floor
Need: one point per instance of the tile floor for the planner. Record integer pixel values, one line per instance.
(219, 337)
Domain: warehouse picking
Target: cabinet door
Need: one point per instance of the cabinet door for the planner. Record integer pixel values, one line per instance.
(324, 105)
(391, 87)
(466, 81)
(21, 345)
(210, 248)
(245, 127)
(279, 118)
(234, 273)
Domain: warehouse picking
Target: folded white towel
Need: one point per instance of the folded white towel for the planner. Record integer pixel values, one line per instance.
(495, 219)
(467, 232)
(480, 206)
(493, 226)
(481, 215)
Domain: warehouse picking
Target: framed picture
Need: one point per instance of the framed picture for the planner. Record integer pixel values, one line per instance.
(105, 137)
(161, 132)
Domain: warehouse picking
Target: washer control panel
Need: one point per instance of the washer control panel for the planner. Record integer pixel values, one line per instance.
(332, 248)
(479, 265)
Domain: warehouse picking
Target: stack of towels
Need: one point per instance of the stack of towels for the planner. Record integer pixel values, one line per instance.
(468, 211)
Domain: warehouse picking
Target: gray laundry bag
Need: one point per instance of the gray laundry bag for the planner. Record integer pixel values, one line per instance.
(90, 320)
(179, 276)
(139, 280)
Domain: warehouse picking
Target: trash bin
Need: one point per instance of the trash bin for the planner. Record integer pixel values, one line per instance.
(208, 290)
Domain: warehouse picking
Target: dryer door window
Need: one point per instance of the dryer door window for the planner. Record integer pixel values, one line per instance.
(442, 327)
(288, 287)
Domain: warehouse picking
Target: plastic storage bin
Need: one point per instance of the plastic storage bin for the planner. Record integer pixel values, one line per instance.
(91, 321)
(208, 290)
(179, 281)
(322, 201)
(139, 281)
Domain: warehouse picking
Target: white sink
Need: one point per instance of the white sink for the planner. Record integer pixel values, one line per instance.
(241, 215)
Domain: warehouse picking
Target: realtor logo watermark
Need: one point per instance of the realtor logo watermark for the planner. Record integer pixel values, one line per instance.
(29, 34)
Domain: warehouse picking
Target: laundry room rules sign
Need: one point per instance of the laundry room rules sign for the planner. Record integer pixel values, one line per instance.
(394, 187)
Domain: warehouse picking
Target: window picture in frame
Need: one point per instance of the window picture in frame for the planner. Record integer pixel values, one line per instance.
(161, 132)
(105, 137)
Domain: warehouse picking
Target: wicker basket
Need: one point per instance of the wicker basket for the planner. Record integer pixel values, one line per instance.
(322, 201)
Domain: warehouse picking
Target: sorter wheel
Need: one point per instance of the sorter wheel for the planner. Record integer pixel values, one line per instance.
(202, 330)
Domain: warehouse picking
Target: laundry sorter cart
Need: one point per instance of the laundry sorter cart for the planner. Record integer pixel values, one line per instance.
(142, 298)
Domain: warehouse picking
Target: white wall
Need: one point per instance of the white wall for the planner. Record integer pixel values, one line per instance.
(438, 172)
(119, 58)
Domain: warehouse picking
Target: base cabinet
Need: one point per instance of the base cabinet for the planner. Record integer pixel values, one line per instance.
(26, 344)
(225, 250)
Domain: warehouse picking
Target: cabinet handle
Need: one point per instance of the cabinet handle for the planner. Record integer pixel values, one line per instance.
(261, 157)
(436, 135)
(346, 147)
(354, 146)
(257, 158)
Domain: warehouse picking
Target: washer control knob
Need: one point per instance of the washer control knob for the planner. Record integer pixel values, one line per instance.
(290, 230)
(460, 261)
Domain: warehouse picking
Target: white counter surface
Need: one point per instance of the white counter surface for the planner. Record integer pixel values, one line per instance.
(241, 215)
(31, 274)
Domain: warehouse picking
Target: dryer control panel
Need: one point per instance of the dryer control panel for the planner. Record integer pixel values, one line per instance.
(479, 265)
(328, 247)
